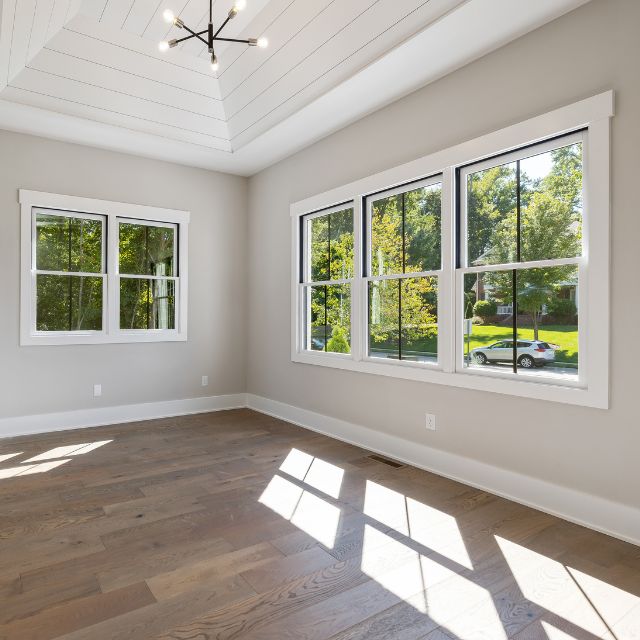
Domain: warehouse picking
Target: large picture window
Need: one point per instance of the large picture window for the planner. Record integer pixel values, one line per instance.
(96, 271)
(485, 265)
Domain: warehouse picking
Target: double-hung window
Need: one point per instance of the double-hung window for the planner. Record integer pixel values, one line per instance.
(95, 271)
(521, 267)
(485, 265)
(404, 260)
(68, 278)
(327, 275)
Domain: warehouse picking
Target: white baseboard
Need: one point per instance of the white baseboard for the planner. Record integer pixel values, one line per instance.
(62, 421)
(615, 519)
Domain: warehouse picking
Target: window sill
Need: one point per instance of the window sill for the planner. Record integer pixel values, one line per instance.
(563, 391)
(123, 337)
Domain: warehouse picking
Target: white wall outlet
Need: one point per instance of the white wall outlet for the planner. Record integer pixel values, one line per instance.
(97, 390)
(431, 422)
(205, 381)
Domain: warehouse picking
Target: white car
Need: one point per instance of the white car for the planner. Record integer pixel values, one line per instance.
(530, 353)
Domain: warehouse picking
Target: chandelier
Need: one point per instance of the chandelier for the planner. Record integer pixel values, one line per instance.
(209, 36)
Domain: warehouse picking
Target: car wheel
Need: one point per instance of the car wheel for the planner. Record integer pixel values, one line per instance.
(480, 358)
(526, 362)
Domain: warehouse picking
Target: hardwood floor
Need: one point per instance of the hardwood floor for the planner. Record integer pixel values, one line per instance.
(238, 526)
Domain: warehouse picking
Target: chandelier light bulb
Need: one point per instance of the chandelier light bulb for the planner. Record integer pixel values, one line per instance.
(163, 46)
(263, 42)
(214, 62)
(240, 5)
(168, 16)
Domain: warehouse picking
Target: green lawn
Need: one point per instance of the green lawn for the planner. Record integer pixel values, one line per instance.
(565, 336)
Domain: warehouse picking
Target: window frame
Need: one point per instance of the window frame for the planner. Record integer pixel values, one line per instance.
(592, 389)
(580, 261)
(35, 272)
(175, 278)
(110, 212)
(369, 200)
(304, 276)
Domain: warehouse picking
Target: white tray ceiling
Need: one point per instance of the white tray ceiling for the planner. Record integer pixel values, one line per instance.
(89, 71)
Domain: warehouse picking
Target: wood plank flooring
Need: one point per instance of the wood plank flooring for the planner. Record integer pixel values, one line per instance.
(238, 526)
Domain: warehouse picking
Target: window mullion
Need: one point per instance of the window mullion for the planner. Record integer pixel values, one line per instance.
(112, 311)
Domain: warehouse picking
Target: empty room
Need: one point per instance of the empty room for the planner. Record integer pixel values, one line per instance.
(318, 320)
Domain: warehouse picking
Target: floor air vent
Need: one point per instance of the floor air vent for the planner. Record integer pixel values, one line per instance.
(391, 463)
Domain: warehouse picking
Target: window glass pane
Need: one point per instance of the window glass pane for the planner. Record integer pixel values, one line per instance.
(331, 245)
(488, 328)
(403, 319)
(329, 318)
(341, 244)
(68, 303)
(422, 237)
(419, 317)
(68, 244)
(147, 304)
(384, 319)
(547, 323)
(146, 250)
(491, 215)
(386, 236)
(318, 230)
(551, 204)
(548, 313)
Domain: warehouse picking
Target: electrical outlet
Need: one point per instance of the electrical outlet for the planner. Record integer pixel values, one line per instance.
(205, 381)
(431, 422)
(97, 390)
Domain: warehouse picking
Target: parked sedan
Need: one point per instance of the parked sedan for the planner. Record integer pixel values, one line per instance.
(530, 353)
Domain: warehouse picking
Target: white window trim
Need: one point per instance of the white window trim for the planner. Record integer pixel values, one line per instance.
(112, 212)
(593, 388)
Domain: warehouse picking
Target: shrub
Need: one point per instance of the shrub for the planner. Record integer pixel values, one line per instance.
(477, 320)
(338, 342)
(485, 308)
(562, 308)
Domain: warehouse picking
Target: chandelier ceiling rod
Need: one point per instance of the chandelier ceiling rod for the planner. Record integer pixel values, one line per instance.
(212, 37)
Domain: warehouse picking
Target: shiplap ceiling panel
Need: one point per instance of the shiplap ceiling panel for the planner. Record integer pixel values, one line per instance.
(177, 79)
(97, 63)
(255, 105)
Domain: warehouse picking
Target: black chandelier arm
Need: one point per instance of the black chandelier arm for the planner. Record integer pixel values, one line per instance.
(222, 26)
(232, 40)
(196, 35)
(193, 35)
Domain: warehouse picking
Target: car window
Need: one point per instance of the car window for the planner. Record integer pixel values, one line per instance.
(524, 345)
(544, 345)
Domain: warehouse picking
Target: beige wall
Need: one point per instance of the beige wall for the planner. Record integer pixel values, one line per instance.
(45, 379)
(583, 53)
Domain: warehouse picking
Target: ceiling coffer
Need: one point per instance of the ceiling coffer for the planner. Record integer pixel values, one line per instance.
(209, 36)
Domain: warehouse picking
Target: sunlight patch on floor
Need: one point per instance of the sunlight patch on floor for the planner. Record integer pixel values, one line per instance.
(69, 450)
(29, 469)
(432, 528)
(307, 511)
(584, 601)
(7, 456)
(317, 473)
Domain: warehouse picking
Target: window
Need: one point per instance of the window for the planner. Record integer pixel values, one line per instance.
(404, 261)
(146, 258)
(485, 273)
(68, 253)
(521, 226)
(326, 278)
(95, 271)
